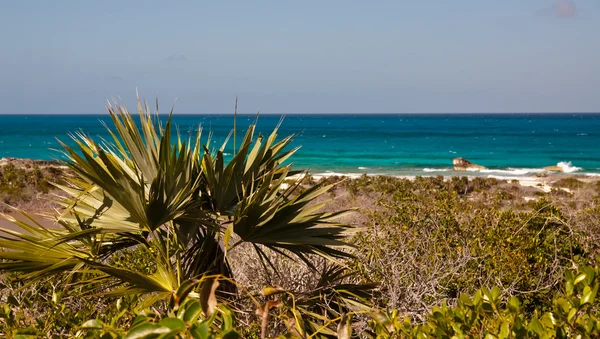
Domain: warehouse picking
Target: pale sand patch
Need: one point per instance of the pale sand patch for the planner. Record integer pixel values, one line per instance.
(539, 184)
(9, 225)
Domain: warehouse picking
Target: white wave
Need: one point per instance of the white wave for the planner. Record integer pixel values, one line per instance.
(567, 167)
(592, 174)
(436, 169)
(363, 168)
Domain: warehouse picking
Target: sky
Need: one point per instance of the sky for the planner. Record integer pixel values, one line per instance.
(350, 56)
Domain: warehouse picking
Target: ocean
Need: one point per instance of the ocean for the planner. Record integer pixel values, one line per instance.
(509, 145)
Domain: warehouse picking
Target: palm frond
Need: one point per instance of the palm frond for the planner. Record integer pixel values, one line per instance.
(269, 218)
(176, 198)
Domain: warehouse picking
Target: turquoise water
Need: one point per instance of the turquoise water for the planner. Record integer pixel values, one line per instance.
(397, 144)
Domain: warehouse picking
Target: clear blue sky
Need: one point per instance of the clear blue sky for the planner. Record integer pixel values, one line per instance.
(302, 56)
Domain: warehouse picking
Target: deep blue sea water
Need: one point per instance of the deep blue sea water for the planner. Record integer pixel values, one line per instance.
(396, 144)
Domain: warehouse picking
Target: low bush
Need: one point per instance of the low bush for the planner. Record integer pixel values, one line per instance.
(19, 184)
(569, 183)
(488, 314)
(429, 242)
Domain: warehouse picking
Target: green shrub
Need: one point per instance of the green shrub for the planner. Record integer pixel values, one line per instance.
(574, 314)
(429, 243)
(570, 183)
(487, 314)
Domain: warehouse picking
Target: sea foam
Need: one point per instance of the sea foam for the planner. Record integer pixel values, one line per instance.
(567, 167)
(436, 169)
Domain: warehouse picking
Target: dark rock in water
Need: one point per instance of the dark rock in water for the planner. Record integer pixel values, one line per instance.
(462, 164)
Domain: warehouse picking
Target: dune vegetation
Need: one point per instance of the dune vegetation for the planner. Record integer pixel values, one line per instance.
(157, 236)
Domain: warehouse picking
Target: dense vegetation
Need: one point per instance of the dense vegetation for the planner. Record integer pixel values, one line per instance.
(160, 238)
(443, 238)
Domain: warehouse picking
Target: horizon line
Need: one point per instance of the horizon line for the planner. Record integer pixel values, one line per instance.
(330, 113)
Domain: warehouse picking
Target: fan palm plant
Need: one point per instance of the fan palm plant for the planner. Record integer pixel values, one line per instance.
(177, 200)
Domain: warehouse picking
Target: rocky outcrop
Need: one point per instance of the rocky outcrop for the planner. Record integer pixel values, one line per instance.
(462, 164)
(553, 169)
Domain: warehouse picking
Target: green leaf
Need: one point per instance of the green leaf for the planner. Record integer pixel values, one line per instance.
(514, 304)
(536, 327)
(200, 331)
(140, 281)
(174, 324)
(12, 300)
(569, 287)
(268, 291)
(495, 293)
(146, 331)
(192, 312)
(588, 295)
(227, 318)
(465, 299)
(93, 324)
(182, 292)
(590, 274)
(140, 319)
(504, 330)
(579, 278)
(227, 237)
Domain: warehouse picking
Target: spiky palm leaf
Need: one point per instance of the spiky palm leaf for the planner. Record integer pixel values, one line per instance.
(178, 199)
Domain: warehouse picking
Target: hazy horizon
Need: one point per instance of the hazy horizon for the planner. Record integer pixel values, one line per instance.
(335, 57)
(164, 113)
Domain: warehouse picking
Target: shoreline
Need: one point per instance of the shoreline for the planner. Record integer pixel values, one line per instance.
(450, 174)
(540, 179)
(562, 167)
(525, 176)
(530, 187)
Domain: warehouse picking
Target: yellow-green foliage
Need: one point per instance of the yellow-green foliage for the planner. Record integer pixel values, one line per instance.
(150, 212)
(486, 314)
(429, 242)
(573, 314)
